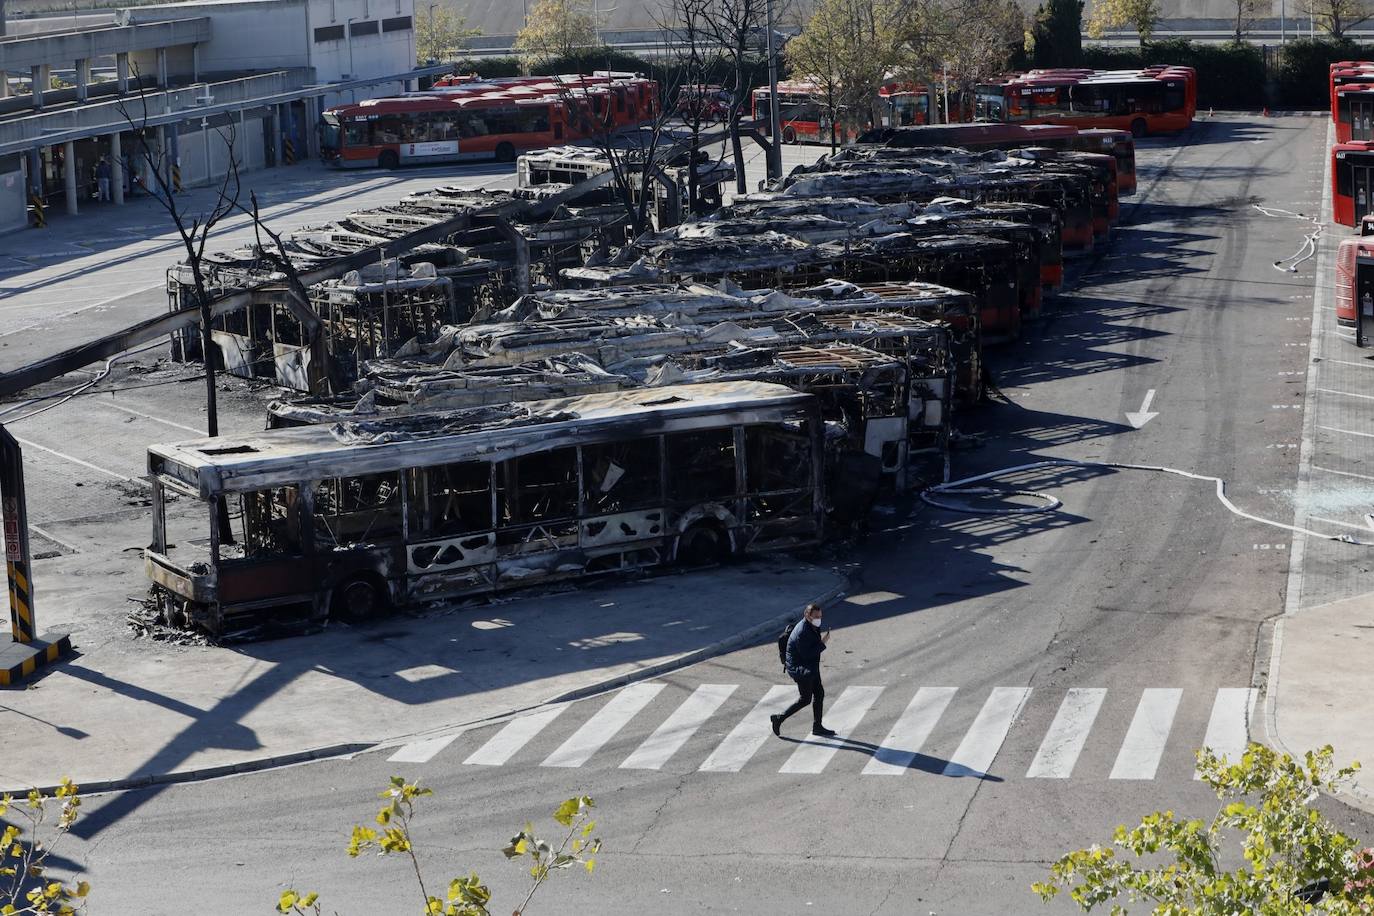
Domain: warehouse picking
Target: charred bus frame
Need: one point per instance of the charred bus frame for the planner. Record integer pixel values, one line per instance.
(353, 517)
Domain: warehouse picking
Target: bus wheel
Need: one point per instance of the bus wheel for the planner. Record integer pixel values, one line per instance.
(505, 152)
(789, 134)
(702, 544)
(358, 600)
(388, 160)
(1139, 128)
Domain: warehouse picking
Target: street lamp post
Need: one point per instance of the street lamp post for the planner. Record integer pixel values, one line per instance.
(774, 115)
(433, 38)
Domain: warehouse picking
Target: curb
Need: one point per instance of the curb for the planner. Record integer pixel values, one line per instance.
(97, 787)
(743, 638)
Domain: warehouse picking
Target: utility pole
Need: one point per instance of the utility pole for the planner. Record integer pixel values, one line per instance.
(433, 39)
(1283, 21)
(774, 114)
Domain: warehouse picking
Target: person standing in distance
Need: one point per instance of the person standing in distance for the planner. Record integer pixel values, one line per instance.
(804, 648)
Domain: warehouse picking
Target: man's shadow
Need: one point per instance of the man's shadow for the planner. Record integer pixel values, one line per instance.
(898, 758)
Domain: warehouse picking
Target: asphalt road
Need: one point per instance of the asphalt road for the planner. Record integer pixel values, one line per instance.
(1011, 687)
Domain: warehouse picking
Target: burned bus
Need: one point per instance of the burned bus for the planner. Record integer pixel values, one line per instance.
(348, 519)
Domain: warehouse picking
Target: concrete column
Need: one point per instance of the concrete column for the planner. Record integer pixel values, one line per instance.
(38, 77)
(36, 171)
(314, 107)
(195, 62)
(162, 68)
(274, 135)
(4, 85)
(69, 174)
(83, 78)
(122, 71)
(166, 136)
(116, 169)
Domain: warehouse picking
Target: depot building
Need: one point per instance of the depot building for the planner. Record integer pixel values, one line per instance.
(186, 89)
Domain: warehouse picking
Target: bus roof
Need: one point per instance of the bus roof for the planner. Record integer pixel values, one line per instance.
(282, 457)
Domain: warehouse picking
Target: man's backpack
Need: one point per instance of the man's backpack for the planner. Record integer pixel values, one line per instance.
(783, 637)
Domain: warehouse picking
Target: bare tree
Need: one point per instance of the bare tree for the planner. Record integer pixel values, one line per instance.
(735, 26)
(1338, 17)
(1245, 15)
(635, 161)
(687, 25)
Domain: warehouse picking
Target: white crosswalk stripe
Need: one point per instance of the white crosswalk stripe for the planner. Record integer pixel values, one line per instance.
(1149, 732)
(1068, 733)
(516, 734)
(748, 736)
(903, 743)
(422, 751)
(844, 716)
(926, 719)
(603, 726)
(1228, 730)
(659, 747)
(984, 738)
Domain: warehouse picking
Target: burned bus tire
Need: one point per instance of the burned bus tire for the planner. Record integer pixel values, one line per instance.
(505, 153)
(789, 134)
(358, 600)
(1139, 128)
(388, 160)
(702, 544)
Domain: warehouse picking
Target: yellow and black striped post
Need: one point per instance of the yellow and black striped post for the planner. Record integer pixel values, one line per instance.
(176, 175)
(288, 150)
(39, 220)
(27, 651)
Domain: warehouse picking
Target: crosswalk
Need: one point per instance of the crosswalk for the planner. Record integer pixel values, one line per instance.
(695, 731)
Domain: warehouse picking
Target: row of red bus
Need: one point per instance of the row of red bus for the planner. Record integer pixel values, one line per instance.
(1351, 93)
(1154, 100)
(463, 118)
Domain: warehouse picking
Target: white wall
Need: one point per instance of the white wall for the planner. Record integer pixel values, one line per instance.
(248, 149)
(245, 35)
(372, 55)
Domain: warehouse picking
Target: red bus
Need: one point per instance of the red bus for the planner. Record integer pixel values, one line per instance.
(1118, 144)
(1149, 101)
(1347, 71)
(1355, 110)
(804, 118)
(1352, 284)
(1352, 179)
(477, 119)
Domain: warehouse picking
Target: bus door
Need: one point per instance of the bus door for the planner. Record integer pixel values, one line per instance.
(1362, 185)
(1362, 118)
(1364, 300)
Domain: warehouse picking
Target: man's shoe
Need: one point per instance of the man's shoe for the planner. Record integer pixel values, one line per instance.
(820, 731)
(777, 724)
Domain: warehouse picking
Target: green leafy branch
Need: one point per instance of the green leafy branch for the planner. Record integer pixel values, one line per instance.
(25, 887)
(1294, 860)
(466, 896)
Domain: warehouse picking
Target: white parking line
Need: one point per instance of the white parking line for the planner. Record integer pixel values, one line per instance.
(1342, 473)
(84, 464)
(1315, 518)
(1347, 394)
(1347, 362)
(148, 416)
(1346, 432)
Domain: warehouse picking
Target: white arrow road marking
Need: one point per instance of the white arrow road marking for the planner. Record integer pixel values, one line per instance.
(1144, 414)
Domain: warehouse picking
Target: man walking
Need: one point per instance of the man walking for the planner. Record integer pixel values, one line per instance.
(803, 665)
(102, 178)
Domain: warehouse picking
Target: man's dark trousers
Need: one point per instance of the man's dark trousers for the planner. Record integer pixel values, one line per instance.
(811, 691)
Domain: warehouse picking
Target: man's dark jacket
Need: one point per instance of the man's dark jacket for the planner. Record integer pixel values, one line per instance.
(804, 648)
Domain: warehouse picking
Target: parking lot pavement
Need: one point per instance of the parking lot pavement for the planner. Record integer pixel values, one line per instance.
(1321, 669)
(125, 712)
(105, 268)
